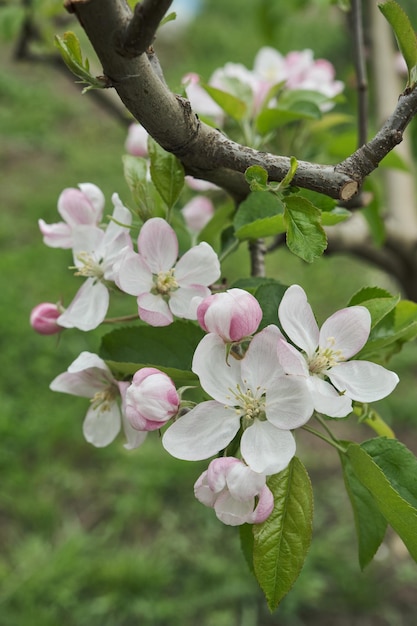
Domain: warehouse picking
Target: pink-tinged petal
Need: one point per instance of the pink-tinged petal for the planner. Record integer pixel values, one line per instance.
(202, 491)
(291, 359)
(288, 402)
(154, 310)
(297, 319)
(96, 197)
(89, 307)
(198, 266)
(75, 208)
(158, 245)
(136, 142)
(244, 483)
(267, 449)
(133, 276)
(233, 512)
(327, 399)
(261, 365)
(134, 438)
(57, 235)
(43, 318)
(346, 331)
(264, 507)
(363, 381)
(201, 433)
(218, 470)
(217, 376)
(233, 314)
(101, 427)
(185, 301)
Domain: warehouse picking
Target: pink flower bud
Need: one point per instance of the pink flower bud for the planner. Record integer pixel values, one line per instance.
(236, 493)
(43, 318)
(232, 315)
(197, 213)
(137, 141)
(151, 399)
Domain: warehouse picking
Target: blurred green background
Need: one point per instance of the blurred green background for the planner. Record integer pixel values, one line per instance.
(108, 537)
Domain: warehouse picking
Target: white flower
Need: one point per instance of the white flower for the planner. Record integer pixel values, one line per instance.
(326, 354)
(236, 493)
(253, 394)
(89, 377)
(95, 255)
(165, 288)
(77, 207)
(137, 140)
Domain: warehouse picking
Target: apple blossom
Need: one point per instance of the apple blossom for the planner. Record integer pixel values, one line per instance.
(197, 213)
(252, 394)
(89, 377)
(95, 254)
(236, 493)
(233, 314)
(77, 207)
(136, 142)
(326, 354)
(151, 399)
(43, 318)
(165, 288)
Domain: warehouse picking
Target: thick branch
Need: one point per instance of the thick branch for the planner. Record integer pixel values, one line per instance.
(141, 29)
(204, 151)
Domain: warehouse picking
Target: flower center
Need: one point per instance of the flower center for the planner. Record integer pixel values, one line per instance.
(165, 282)
(325, 358)
(102, 400)
(251, 406)
(90, 267)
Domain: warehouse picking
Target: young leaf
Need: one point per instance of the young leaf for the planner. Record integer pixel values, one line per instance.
(259, 215)
(369, 522)
(232, 106)
(269, 297)
(305, 235)
(379, 302)
(257, 178)
(404, 34)
(398, 512)
(282, 541)
(167, 173)
(169, 346)
(70, 49)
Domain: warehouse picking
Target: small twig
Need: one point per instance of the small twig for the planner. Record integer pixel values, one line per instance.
(356, 20)
(257, 253)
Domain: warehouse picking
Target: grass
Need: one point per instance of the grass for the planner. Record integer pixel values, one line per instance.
(115, 538)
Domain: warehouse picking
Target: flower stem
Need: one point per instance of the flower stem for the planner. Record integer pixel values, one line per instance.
(330, 440)
(124, 318)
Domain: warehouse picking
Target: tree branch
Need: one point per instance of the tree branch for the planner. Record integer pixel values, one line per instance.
(204, 151)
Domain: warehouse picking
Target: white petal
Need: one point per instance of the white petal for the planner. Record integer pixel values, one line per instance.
(201, 433)
(101, 427)
(184, 301)
(198, 266)
(84, 384)
(202, 491)
(133, 275)
(89, 360)
(134, 438)
(288, 402)
(87, 239)
(217, 376)
(57, 235)
(346, 330)
(154, 310)
(261, 365)
(89, 307)
(243, 483)
(291, 359)
(297, 319)
(363, 381)
(233, 512)
(158, 245)
(267, 449)
(327, 400)
(96, 197)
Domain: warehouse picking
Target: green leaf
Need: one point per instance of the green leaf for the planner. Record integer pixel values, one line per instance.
(246, 542)
(270, 119)
(257, 178)
(336, 215)
(305, 235)
(404, 34)
(391, 333)
(259, 215)
(370, 524)
(221, 219)
(269, 296)
(181, 378)
(396, 509)
(164, 347)
(252, 283)
(398, 464)
(379, 302)
(282, 541)
(70, 49)
(231, 105)
(143, 192)
(167, 173)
